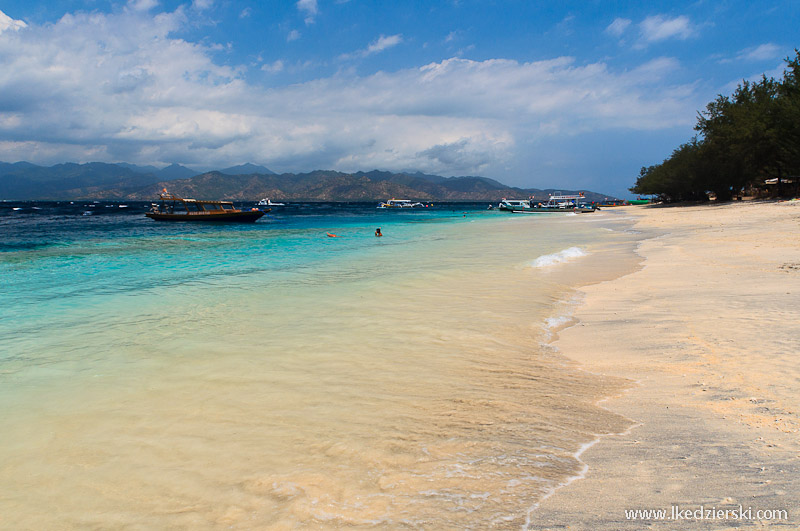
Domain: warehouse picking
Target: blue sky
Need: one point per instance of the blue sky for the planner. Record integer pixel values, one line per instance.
(575, 94)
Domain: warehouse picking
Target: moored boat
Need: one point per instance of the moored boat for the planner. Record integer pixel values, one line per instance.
(266, 202)
(509, 205)
(557, 203)
(401, 203)
(173, 208)
(609, 203)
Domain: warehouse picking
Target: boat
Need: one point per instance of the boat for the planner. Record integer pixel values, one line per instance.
(609, 203)
(173, 208)
(267, 203)
(510, 205)
(556, 203)
(401, 203)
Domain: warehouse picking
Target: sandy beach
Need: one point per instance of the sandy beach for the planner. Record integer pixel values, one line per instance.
(707, 333)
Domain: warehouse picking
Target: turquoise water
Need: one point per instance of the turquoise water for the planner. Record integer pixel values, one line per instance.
(269, 376)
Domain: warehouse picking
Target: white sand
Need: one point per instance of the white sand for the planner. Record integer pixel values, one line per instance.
(709, 329)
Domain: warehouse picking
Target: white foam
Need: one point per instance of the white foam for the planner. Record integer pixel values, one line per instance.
(557, 322)
(551, 491)
(549, 260)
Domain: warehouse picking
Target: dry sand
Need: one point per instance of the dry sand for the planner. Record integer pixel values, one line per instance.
(708, 331)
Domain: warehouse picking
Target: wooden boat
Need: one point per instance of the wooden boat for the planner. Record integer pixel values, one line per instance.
(173, 208)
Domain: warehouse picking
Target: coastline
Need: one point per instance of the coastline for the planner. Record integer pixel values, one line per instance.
(704, 331)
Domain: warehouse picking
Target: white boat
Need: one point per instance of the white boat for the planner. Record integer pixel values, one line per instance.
(401, 203)
(514, 204)
(555, 203)
(267, 203)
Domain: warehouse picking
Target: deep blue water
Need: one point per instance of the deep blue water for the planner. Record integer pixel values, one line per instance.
(27, 225)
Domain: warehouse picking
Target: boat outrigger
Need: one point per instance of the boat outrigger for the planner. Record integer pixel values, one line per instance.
(173, 208)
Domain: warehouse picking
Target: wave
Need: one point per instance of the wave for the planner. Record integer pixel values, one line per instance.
(548, 260)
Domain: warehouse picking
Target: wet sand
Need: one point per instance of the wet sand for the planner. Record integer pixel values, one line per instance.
(708, 333)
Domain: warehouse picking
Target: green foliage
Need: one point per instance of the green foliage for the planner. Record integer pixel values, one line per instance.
(748, 137)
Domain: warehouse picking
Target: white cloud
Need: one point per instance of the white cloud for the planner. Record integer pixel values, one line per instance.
(618, 27)
(202, 5)
(309, 7)
(763, 52)
(378, 45)
(142, 5)
(659, 28)
(292, 36)
(273, 67)
(246, 12)
(383, 43)
(119, 87)
(8, 23)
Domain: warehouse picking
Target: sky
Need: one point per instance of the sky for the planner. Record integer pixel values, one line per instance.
(571, 94)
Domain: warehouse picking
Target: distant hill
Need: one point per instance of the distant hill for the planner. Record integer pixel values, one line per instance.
(247, 169)
(328, 185)
(96, 180)
(138, 169)
(65, 181)
(175, 171)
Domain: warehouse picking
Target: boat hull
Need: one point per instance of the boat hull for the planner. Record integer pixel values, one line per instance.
(246, 216)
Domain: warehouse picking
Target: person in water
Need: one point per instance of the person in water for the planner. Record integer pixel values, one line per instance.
(378, 232)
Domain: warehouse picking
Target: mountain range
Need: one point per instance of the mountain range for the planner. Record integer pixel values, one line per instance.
(121, 181)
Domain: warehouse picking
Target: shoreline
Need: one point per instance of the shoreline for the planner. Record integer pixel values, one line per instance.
(713, 402)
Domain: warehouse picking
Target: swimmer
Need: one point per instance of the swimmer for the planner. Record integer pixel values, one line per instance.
(378, 232)
(331, 235)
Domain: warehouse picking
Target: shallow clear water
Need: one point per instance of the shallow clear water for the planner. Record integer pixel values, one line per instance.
(267, 375)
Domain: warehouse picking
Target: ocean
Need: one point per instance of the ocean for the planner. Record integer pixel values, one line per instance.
(268, 376)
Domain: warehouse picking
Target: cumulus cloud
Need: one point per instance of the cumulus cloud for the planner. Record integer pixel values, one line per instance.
(309, 9)
(292, 36)
(119, 86)
(468, 155)
(8, 23)
(659, 28)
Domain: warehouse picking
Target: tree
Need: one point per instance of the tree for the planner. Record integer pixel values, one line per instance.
(745, 138)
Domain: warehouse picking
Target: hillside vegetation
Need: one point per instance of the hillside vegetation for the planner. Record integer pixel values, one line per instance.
(25, 181)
